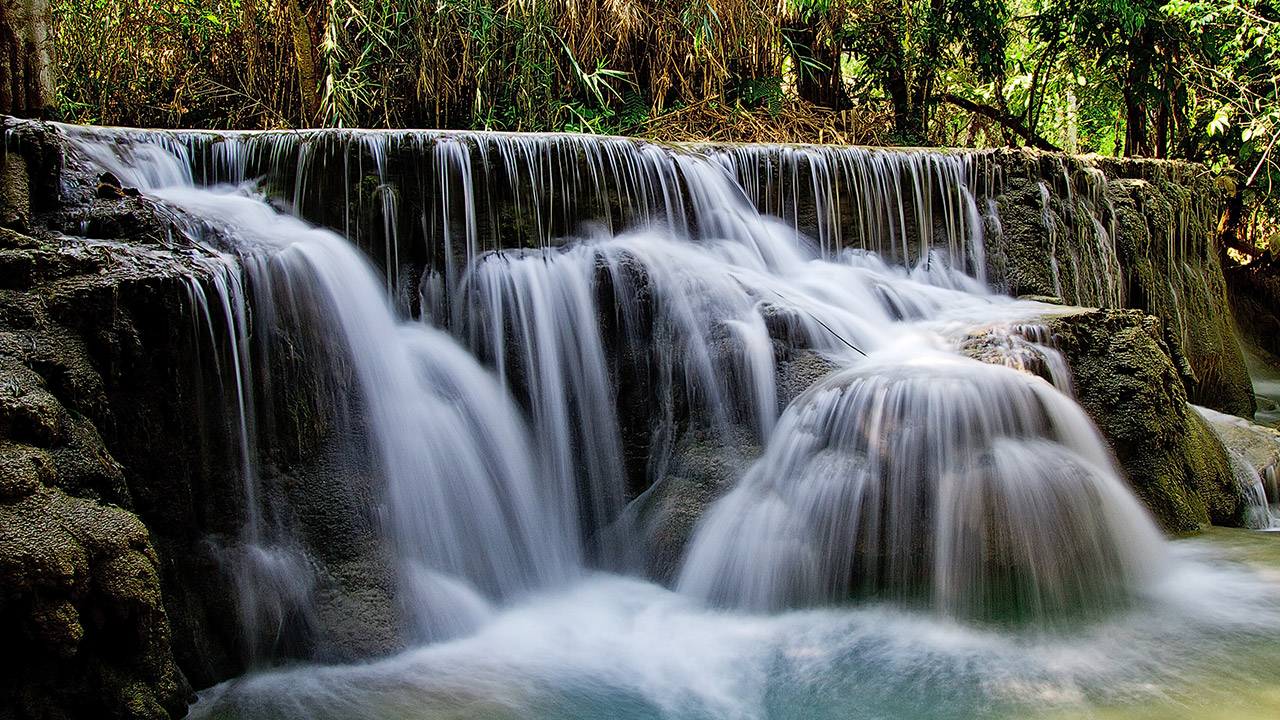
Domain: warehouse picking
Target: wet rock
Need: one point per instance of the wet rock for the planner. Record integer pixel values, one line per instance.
(15, 192)
(1258, 445)
(1155, 250)
(23, 471)
(701, 471)
(85, 628)
(796, 374)
(1125, 376)
(81, 615)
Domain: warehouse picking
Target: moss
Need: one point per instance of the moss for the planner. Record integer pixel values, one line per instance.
(23, 470)
(28, 412)
(56, 623)
(1127, 381)
(1158, 254)
(82, 611)
(1018, 256)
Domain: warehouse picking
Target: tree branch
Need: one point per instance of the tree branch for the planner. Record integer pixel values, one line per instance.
(1004, 118)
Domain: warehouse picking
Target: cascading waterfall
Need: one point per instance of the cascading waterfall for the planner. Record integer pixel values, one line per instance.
(931, 479)
(716, 276)
(556, 314)
(271, 570)
(467, 519)
(1258, 515)
(698, 320)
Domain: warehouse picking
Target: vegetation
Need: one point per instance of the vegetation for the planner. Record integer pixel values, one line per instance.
(1163, 78)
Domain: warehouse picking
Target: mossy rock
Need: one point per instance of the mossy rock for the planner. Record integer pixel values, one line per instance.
(1154, 249)
(81, 615)
(1173, 270)
(1125, 377)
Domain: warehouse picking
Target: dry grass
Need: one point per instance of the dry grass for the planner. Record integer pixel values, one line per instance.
(716, 70)
(796, 122)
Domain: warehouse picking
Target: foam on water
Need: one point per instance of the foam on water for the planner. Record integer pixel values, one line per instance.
(619, 648)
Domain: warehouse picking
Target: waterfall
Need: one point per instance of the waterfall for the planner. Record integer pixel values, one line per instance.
(468, 523)
(934, 480)
(1258, 515)
(552, 316)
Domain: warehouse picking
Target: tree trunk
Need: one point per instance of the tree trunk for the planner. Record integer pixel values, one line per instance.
(1232, 233)
(822, 86)
(26, 67)
(252, 46)
(1162, 130)
(1135, 125)
(1072, 142)
(304, 55)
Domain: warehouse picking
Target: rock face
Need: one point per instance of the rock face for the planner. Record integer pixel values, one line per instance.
(1154, 250)
(84, 627)
(81, 614)
(94, 434)
(700, 472)
(1125, 376)
(119, 497)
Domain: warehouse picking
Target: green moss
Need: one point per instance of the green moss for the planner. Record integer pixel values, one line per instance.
(1161, 257)
(82, 604)
(1019, 255)
(1174, 272)
(28, 412)
(23, 470)
(1127, 382)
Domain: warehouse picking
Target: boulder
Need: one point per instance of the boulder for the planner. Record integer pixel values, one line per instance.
(1126, 377)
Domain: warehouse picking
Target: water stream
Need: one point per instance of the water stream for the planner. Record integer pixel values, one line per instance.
(923, 535)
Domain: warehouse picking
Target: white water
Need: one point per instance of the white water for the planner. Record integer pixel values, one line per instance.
(922, 490)
(466, 517)
(922, 477)
(612, 647)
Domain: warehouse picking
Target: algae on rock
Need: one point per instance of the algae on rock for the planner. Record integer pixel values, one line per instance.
(1125, 377)
(1097, 232)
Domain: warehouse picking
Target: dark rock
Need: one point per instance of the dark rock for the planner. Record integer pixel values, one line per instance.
(701, 471)
(15, 193)
(81, 615)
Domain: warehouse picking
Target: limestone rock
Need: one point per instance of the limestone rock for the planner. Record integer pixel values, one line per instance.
(1258, 445)
(81, 615)
(1126, 378)
(1154, 250)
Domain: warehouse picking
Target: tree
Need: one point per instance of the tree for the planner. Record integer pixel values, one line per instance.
(26, 68)
(815, 37)
(1236, 84)
(906, 46)
(1139, 49)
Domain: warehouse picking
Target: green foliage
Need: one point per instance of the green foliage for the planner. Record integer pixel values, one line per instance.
(1190, 78)
(908, 46)
(1235, 80)
(177, 62)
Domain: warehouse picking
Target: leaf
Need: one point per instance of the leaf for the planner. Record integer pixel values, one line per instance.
(1221, 121)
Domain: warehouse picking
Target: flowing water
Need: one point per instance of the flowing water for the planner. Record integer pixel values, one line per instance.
(550, 319)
